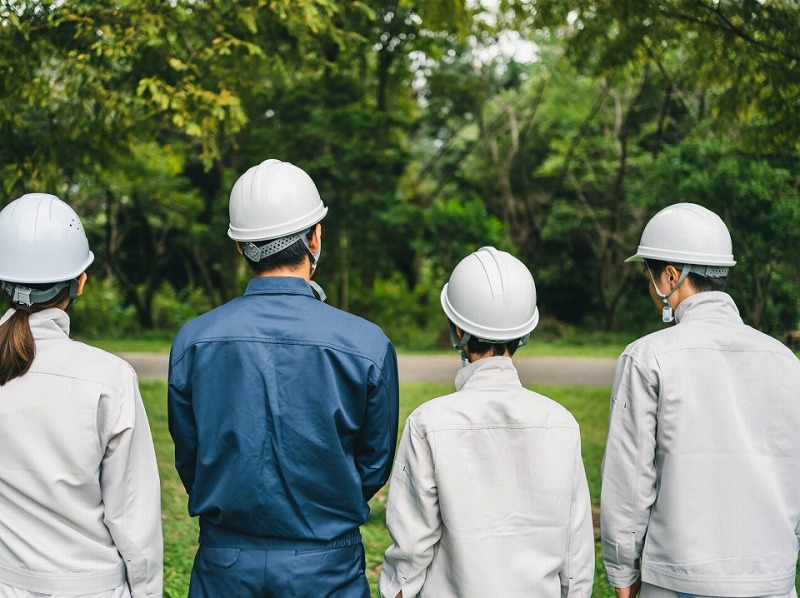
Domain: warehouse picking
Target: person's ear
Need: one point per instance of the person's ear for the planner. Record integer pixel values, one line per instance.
(239, 248)
(316, 238)
(81, 283)
(673, 274)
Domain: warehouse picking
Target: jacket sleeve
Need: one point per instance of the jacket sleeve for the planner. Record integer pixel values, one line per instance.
(412, 516)
(577, 577)
(377, 438)
(182, 425)
(629, 472)
(131, 491)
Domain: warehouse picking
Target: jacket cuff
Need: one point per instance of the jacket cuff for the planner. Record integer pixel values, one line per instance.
(621, 577)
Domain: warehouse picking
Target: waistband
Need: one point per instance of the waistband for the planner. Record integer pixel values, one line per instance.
(211, 535)
(44, 582)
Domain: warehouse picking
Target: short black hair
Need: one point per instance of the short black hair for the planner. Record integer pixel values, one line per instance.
(699, 283)
(482, 348)
(291, 257)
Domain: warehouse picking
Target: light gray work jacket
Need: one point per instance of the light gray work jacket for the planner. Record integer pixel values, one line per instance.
(80, 505)
(701, 476)
(488, 495)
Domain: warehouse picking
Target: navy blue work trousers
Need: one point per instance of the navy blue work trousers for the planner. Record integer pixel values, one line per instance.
(281, 569)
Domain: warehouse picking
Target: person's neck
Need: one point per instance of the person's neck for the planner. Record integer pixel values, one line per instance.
(682, 294)
(303, 271)
(473, 357)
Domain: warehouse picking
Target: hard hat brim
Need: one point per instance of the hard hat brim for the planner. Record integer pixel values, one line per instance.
(482, 332)
(276, 232)
(26, 278)
(681, 257)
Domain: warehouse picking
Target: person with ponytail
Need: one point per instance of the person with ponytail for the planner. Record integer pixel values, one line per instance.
(80, 511)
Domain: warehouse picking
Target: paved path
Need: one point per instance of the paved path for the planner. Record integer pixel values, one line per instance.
(580, 371)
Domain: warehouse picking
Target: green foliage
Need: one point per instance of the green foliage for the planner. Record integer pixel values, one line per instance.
(408, 307)
(455, 227)
(412, 319)
(126, 111)
(555, 155)
(742, 56)
(424, 142)
(100, 312)
(144, 222)
(172, 309)
(91, 76)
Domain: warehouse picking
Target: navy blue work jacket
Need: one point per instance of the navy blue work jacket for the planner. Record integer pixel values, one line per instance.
(284, 415)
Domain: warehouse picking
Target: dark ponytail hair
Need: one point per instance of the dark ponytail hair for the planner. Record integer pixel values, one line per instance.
(17, 346)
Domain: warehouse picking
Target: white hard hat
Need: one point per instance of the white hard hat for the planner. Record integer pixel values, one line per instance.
(491, 296)
(41, 241)
(686, 233)
(273, 200)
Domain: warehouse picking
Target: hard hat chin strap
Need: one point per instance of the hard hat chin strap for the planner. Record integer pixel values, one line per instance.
(318, 290)
(256, 253)
(460, 343)
(466, 336)
(27, 296)
(314, 259)
(666, 310)
(314, 256)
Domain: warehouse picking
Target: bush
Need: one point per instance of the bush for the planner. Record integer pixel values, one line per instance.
(412, 319)
(100, 312)
(172, 309)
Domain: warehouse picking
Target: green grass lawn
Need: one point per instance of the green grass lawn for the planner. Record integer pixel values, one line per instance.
(137, 345)
(589, 405)
(558, 348)
(180, 531)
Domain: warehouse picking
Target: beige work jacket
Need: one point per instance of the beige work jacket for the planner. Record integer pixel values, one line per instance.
(488, 495)
(79, 487)
(701, 477)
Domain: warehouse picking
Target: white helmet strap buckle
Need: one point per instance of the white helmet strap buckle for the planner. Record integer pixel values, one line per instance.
(22, 295)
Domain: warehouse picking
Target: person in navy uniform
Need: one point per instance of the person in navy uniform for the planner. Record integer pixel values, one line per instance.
(283, 411)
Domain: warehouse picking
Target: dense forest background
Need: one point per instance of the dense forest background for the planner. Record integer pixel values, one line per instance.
(547, 128)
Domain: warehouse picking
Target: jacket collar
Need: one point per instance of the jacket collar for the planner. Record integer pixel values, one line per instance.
(488, 372)
(278, 285)
(707, 305)
(48, 323)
